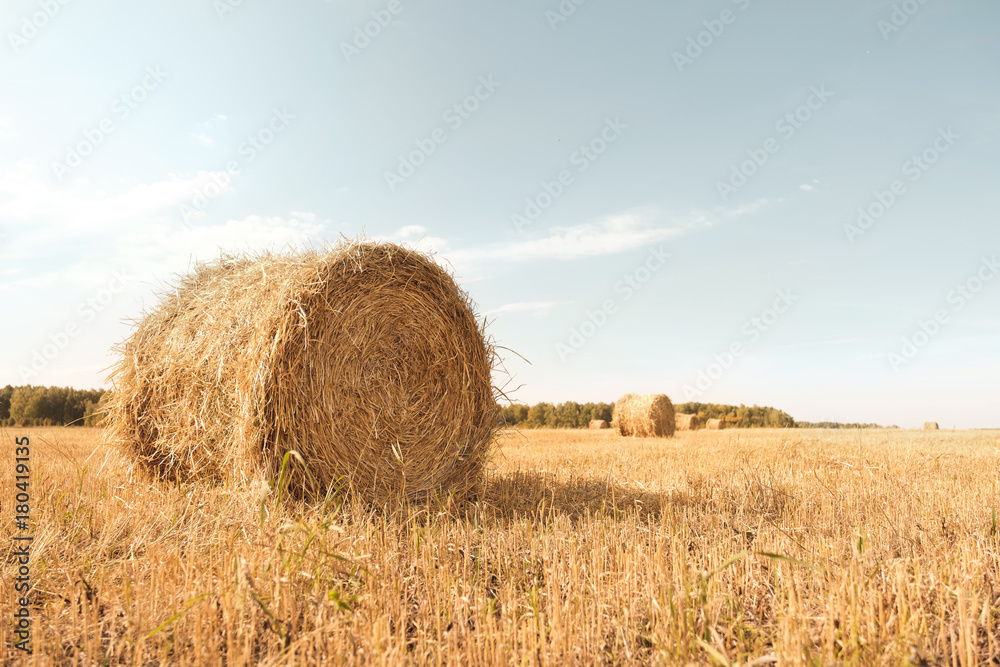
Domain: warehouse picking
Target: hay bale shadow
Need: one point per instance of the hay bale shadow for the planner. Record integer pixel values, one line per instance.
(524, 494)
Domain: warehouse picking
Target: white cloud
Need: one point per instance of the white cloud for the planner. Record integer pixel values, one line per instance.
(744, 210)
(173, 245)
(202, 139)
(610, 235)
(137, 226)
(158, 251)
(415, 236)
(29, 197)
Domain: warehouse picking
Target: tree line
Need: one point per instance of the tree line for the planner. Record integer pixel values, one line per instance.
(50, 406)
(579, 415)
(838, 425)
(563, 415)
(739, 416)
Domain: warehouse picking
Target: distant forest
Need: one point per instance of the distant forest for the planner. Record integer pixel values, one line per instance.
(49, 406)
(59, 406)
(579, 415)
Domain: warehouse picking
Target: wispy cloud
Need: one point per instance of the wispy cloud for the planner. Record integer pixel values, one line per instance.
(170, 243)
(610, 235)
(416, 237)
(29, 197)
(128, 225)
(203, 136)
(202, 139)
(613, 234)
(734, 212)
(160, 250)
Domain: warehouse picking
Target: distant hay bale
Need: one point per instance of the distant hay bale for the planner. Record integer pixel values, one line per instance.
(714, 425)
(598, 423)
(644, 416)
(685, 422)
(930, 426)
(366, 359)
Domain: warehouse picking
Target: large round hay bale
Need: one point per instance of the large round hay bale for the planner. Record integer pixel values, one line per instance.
(644, 416)
(686, 422)
(365, 359)
(930, 426)
(598, 423)
(714, 425)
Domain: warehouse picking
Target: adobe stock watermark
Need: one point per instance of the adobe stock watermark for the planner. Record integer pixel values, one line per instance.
(248, 150)
(365, 34)
(455, 116)
(121, 108)
(86, 312)
(626, 288)
(582, 158)
(32, 25)
(899, 17)
(750, 332)
(913, 169)
(224, 8)
(786, 126)
(562, 13)
(714, 29)
(957, 299)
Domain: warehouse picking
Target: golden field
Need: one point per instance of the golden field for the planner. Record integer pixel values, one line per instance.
(789, 547)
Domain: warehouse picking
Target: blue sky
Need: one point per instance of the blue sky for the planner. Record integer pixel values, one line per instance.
(737, 202)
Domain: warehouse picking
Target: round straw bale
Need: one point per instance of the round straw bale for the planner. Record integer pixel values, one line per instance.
(930, 426)
(598, 423)
(365, 359)
(685, 422)
(644, 416)
(714, 425)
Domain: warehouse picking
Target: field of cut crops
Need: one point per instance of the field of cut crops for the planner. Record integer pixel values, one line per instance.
(876, 547)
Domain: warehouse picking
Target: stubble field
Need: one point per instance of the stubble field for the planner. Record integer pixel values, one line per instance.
(714, 547)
